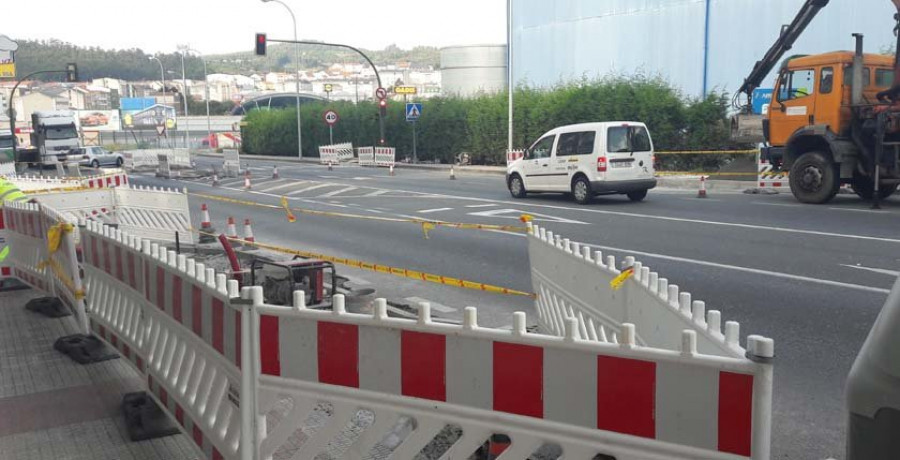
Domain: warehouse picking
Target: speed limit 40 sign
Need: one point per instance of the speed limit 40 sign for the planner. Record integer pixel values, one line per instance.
(331, 117)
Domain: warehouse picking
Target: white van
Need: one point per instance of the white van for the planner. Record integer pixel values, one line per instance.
(585, 160)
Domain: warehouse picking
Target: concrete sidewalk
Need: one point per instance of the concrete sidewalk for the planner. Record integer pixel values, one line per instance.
(54, 408)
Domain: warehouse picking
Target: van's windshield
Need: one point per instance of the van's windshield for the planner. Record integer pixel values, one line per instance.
(627, 139)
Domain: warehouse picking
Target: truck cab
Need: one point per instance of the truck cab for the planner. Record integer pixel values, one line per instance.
(55, 136)
(812, 120)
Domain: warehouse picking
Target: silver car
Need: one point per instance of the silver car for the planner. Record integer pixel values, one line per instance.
(98, 156)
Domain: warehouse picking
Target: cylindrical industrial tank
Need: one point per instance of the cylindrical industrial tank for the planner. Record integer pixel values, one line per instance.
(467, 71)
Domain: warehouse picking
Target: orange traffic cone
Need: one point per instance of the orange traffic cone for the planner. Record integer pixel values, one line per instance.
(231, 229)
(702, 192)
(452, 173)
(206, 229)
(392, 170)
(275, 172)
(248, 235)
(215, 180)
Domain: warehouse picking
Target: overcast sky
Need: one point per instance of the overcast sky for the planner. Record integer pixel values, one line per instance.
(219, 26)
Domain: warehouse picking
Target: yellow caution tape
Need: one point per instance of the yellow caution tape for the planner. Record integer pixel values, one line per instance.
(57, 190)
(55, 233)
(707, 152)
(422, 222)
(287, 209)
(401, 272)
(618, 281)
(61, 274)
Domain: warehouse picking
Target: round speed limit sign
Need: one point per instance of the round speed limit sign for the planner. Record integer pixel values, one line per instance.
(331, 117)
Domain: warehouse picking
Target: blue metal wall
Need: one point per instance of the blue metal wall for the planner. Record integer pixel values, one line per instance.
(556, 41)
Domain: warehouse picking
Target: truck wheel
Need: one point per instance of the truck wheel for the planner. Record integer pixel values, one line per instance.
(864, 187)
(814, 178)
(581, 190)
(516, 187)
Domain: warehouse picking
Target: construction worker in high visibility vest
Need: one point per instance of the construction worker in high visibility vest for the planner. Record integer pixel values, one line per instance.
(8, 192)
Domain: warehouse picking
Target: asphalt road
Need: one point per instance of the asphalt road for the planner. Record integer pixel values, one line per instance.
(811, 277)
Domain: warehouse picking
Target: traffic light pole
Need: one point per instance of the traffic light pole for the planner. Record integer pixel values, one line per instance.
(377, 76)
(12, 110)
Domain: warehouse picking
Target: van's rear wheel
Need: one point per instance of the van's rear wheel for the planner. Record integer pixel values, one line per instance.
(516, 187)
(638, 195)
(814, 178)
(581, 190)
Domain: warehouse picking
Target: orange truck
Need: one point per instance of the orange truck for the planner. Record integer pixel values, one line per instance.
(834, 118)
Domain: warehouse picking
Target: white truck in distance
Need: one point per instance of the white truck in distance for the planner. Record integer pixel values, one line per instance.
(55, 136)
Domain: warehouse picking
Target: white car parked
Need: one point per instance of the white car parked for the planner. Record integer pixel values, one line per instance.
(97, 156)
(586, 160)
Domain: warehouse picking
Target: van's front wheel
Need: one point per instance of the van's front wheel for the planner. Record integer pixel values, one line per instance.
(516, 187)
(581, 190)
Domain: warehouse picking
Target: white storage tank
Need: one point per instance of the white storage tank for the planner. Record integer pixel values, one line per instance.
(467, 71)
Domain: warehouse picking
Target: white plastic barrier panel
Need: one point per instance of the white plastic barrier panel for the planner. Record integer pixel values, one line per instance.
(27, 243)
(135, 159)
(149, 213)
(344, 152)
(366, 156)
(573, 281)
(384, 156)
(172, 319)
(328, 155)
(231, 167)
(37, 184)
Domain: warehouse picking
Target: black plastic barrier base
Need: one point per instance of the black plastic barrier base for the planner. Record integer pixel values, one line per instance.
(48, 306)
(144, 419)
(84, 349)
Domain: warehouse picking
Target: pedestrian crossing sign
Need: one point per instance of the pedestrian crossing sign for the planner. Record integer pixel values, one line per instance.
(413, 111)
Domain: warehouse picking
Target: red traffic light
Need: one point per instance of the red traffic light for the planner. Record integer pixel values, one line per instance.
(260, 44)
(382, 103)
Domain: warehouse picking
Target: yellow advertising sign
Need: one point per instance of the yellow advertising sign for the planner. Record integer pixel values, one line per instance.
(8, 70)
(405, 90)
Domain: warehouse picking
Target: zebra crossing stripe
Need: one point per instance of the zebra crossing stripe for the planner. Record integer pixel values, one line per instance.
(314, 187)
(337, 192)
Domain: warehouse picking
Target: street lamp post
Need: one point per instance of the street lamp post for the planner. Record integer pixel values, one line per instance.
(184, 50)
(162, 76)
(299, 131)
(206, 85)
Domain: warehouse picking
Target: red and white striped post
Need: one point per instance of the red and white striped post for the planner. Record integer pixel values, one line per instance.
(231, 229)
(248, 235)
(207, 232)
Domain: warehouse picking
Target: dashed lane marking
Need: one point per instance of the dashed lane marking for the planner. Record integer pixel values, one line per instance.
(481, 205)
(428, 211)
(377, 193)
(337, 192)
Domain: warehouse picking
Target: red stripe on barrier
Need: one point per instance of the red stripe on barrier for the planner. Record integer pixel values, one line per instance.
(118, 181)
(198, 436)
(120, 273)
(423, 368)
(218, 325)
(269, 338)
(160, 288)
(626, 396)
(217, 455)
(735, 413)
(163, 396)
(2, 222)
(132, 268)
(107, 256)
(140, 364)
(31, 229)
(518, 379)
(146, 280)
(176, 298)
(338, 354)
(196, 311)
(179, 414)
(126, 350)
(4, 271)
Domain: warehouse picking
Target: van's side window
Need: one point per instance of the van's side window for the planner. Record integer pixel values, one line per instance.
(541, 148)
(627, 139)
(581, 143)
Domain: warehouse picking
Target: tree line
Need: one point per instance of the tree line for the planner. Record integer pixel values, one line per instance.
(450, 125)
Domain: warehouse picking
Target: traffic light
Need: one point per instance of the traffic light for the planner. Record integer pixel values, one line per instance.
(260, 44)
(71, 72)
(382, 107)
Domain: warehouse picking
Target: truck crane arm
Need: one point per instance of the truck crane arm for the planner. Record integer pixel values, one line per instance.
(785, 41)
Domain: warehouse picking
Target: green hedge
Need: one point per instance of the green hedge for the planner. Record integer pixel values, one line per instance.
(479, 126)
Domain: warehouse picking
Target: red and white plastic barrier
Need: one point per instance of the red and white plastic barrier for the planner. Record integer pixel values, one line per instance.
(513, 155)
(366, 156)
(385, 156)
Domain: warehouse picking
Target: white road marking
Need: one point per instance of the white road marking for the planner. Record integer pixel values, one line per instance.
(517, 213)
(279, 187)
(874, 211)
(375, 211)
(362, 178)
(754, 271)
(481, 205)
(784, 205)
(434, 305)
(297, 192)
(426, 211)
(337, 192)
(875, 270)
(230, 182)
(377, 192)
(699, 199)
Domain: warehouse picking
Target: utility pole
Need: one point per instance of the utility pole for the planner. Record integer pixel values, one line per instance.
(184, 94)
